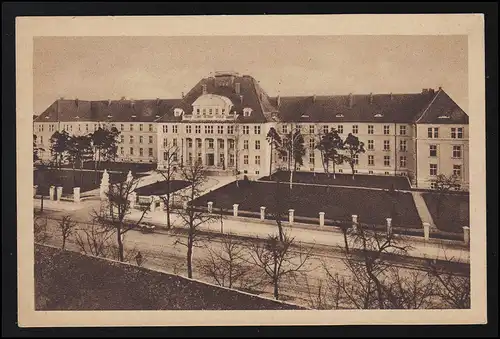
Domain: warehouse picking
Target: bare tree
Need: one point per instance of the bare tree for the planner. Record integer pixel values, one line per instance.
(67, 227)
(116, 207)
(443, 186)
(40, 229)
(225, 264)
(168, 173)
(277, 259)
(94, 238)
(191, 216)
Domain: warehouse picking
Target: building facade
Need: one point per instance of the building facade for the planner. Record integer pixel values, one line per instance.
(224, 119)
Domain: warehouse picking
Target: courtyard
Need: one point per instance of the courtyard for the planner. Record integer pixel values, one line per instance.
(338, 203)
(343, 179)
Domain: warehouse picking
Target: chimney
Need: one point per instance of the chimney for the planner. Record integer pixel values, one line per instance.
(314, 98)
(440, 88)
(350, 100)
(391, 96)
(424, 91)
(157, 101)
(371, 98)
(122, 98)
(109, 102)
(132, 103)
(204, 87)
(182, 95)
(278, 101)
(237, 87)
(431, 90)
(61, 98)
(76, 102)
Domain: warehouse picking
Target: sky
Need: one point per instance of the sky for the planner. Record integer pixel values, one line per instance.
(100, 68)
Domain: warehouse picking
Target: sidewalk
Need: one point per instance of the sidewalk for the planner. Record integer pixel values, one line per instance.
(423, 211)
(330, 237)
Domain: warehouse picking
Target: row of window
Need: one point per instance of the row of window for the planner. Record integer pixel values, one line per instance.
(131, 139)
(189, 143)
(456, 151)
(455, 132)
(433, 170)
(340, 129)
(209, 129)
(141, 151)
(88, 127)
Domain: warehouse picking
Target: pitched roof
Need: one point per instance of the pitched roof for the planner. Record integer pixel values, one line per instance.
(384, 108)
(106, 110)
(252, 96)
(443, 110)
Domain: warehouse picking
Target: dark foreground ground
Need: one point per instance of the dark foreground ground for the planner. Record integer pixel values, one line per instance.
(70, 281)
(361, 180)
(338, 203)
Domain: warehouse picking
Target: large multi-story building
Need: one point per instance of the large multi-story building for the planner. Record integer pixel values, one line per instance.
(224, 119)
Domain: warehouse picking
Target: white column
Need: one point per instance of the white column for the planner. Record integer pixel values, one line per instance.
(52, 190)
(466, 235)
(34, 190)
(389, 225)
(354, 222)
(235, 210)
(427, 228)
(76, 194)
(152, 204)
(162, 204)
(226, 150)
(203, 152)
(290, 216)
(321, 219)
(216, 152)
(262, 212)
(59, 190)
(210, 206)
(132, 197)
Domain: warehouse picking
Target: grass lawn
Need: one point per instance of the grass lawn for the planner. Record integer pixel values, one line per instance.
(161, 187)
(119, 166)
(338, 203)
(343, 179)
(70, 281)
(68, 179)
(450, 212)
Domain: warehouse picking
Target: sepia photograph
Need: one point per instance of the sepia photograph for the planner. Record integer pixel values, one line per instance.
(321, 169)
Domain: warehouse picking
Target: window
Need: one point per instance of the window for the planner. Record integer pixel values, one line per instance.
(209, 129)
(387, 129)
(174, 142)
(311, 129)
(387, 145)
(131, 151)
(312, 144)
(216, 111)
(457, 170)
(325, 129)
(198, 143)
(433, 185)
(131, 127)
(257, 144)
(190, 158)
(188, 129)
(371, 160)
(354, 129)
(221, 144)
(370, 129)
(387, 160)
(311, 158)
(211, 143)
(41, 139)
(246, 130)
(150, 139)
(230, 129)
(141, 152)
(245, 159)
(141, 139)
(198, 111)
(231, 159)
(220, 129)
(204, 111)
(386, 173)
(199, 157)
(433, 169)
(131, 141)
(70, 128)
(231, 143)
(174, 156)
(150, 127)
(433, 150)
(122, 152)
(79, 128)
(370, 172)
(356, 159)
(341, 170)
(150, 152)
(370, 145)
(402, 145)
(257, 159)
(247, 111)
(284, 129)
(140, 127)
(165, 128)
(210, 111)
(457, 151)
(433, 132)
(256, 129)
(340, 129)
(245, 144)
(122, 139)
(457, 133)
(165, 142)
(402, 130)
(174, 129)
(189, 143)
(402, 161)
(165, 155)
(197, 129)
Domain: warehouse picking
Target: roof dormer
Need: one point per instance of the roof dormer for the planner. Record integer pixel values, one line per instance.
(247, 111)
(178, 112)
